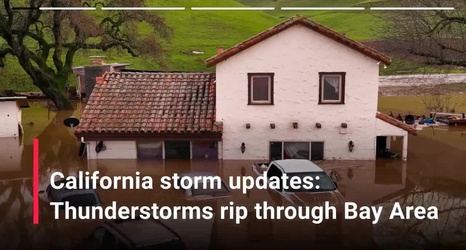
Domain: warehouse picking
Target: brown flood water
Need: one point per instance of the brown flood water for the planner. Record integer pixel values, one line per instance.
(435, 175)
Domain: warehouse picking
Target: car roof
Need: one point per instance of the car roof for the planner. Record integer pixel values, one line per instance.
(199, 174)
(143, 232)
(65, 192)
(298, 166)
(60, 194)
(64, 186)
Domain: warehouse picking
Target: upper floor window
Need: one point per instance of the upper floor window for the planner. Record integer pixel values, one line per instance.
(260, 88)
(332, 88)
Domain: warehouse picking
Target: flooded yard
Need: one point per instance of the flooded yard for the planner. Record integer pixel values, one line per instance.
(435, 175)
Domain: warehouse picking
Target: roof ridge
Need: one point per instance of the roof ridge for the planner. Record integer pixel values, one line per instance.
(308, 23)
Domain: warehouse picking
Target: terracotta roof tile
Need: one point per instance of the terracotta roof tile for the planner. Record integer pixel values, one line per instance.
(146, 102)
(364, 49)
(396, 123)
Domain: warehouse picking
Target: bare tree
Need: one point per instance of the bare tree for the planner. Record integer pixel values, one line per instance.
(439, 100)
(435, 37)
(45, 42)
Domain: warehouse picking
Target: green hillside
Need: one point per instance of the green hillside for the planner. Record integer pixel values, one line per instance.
(193, 30)
(205, 30)
(359, 25)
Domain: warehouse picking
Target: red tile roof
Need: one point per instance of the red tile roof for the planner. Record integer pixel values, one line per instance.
(396, 123)
(364, 49)
(151, 103)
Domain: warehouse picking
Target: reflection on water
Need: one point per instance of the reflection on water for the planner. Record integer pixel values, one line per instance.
(448, 229)
(433, 176)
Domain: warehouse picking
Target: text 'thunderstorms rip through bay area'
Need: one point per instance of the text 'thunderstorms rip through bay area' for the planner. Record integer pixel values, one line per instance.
(238, 213)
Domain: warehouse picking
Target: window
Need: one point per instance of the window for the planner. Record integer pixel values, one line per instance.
(332, 88)
(173, 244)
(109, 241)
(122, 245)
(276, 150)
(204, 150)
(274, 171)
(321, 179)
(317, 151)
(260, 88)
(149, 149)
(98, 234)
(296, 150)
(179, 150)
(81, 200)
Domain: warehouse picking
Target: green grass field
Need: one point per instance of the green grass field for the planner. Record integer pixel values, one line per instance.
(206, 30)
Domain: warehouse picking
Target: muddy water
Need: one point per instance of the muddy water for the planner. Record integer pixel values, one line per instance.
(435, 175)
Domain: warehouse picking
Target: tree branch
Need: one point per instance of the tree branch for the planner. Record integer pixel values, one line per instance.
(451, 19)
(39, 61)
(38, 38)
(9, 11)
(71, 52)
(446, 47)
(3, 54)
(31, 35)
(32, 17)
(439, 60)
(57, 34)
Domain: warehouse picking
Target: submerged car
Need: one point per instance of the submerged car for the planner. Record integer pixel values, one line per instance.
(134, 234)
(74, 197)
(327, 191)
(210, 187)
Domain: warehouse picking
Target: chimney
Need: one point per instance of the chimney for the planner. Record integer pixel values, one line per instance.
(97, 60)
(219, 50)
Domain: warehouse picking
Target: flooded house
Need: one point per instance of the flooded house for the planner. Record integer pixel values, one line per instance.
(11, 115)
(296, 90)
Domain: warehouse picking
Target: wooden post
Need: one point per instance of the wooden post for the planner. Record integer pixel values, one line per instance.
(404, 174)
(405, 148)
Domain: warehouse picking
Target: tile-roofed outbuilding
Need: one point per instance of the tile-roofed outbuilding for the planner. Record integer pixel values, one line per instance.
(151, 104)
(306, 22)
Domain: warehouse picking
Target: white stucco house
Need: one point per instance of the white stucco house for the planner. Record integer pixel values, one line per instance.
(11, 116)
(296, 90)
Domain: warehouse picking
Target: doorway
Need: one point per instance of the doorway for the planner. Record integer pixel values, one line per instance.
(317, 151)
(387, 147)
(381, 145)
(180, 150)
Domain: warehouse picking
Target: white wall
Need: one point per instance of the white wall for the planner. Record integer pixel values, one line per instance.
(10, 154)
(296, 56)
(114, 150)
(10, 116)
(386, 129)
